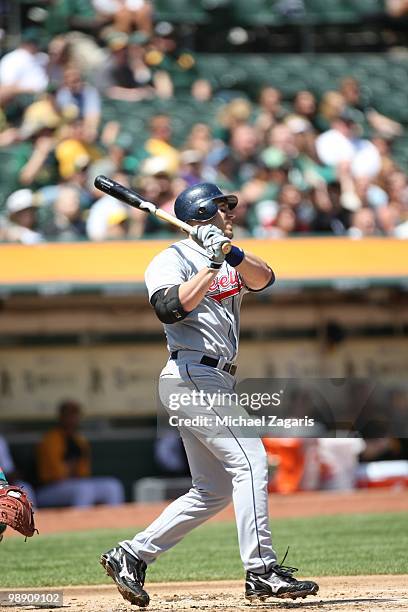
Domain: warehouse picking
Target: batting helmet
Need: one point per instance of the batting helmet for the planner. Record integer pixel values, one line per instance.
(200, 202)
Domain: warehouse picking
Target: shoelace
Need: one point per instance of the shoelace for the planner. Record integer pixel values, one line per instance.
(284, 570)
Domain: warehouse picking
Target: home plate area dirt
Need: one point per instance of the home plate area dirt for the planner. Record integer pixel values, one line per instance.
(345, 594)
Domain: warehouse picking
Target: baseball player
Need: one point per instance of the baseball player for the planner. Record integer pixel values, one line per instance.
(196, 291)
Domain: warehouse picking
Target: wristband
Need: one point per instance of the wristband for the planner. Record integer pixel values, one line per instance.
(214, 265)
(235, 256)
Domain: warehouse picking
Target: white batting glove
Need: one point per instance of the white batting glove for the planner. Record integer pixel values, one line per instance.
(201, 233)
(212, 240)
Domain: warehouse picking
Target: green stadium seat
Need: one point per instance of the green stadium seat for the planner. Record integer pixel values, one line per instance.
(330, 11)
(256, 13)
(395, 106)
(369, 7)
(180, 11)
(336, 65)
(7, 184)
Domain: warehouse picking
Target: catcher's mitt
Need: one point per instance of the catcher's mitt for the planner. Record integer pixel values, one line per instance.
(16, 510)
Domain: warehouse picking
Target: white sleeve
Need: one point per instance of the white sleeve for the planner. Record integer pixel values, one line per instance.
(8, 71)
(168, 268)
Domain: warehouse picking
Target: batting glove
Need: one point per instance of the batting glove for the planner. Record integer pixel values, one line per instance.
(211, 238)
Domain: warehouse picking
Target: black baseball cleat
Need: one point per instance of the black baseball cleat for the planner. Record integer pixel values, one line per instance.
(129, 574)
(278, 582)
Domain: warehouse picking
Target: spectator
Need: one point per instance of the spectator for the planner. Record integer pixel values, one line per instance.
(101, 211)
(200, 139)
(43, 113)
(46, 196)
(397, 188)
(232, 115)
(191, 167)
(74, 150)
(342, 143)
(64, 466)
(142, 73)
(201, 90)
(284, 224)
(351, 92)
(79, 99)
(124, 76)
(59, 59)
(362, 224)
(388, 164)
(221, 169)
(156, 169)
(244, 151)
(388, 218)
(281, 139)
(174, 67)
(278, 166)
(331, 107)
(305, 106)
(22, 222)
(107, 213)
(159, 142)
(329, 216)
(34, 157)
(291, 197)
(270, 109)
(126, 15)
(67, 222)
(23, 70)
(370, 194)
(117, 226)
(307, 170)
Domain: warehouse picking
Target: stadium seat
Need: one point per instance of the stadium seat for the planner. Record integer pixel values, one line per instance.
(367, 8)
(180, 11)
(330, 11)
(377, 74)
(6, 186)
(256, 12)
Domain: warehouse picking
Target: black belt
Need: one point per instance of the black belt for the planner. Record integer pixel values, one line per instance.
(212, 362)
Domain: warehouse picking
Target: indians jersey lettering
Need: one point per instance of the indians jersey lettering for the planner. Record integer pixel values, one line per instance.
(225, 285)
(213, 327)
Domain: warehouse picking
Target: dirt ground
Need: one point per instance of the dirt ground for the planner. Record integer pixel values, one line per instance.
(340, 594)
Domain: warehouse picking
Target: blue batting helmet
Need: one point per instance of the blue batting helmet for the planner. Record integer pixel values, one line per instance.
(200, 202)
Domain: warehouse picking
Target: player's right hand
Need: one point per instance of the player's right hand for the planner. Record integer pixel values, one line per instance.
(212, 240)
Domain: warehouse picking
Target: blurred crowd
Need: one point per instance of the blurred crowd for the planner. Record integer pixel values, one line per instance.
(303, 165)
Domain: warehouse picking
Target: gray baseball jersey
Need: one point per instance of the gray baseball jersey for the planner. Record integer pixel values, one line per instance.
(213, 327)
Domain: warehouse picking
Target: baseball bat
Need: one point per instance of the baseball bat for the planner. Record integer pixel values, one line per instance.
(130, 197)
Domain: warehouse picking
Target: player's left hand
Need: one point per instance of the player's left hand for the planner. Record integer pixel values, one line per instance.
(201, 234)
(212, 240)
(16, 510)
